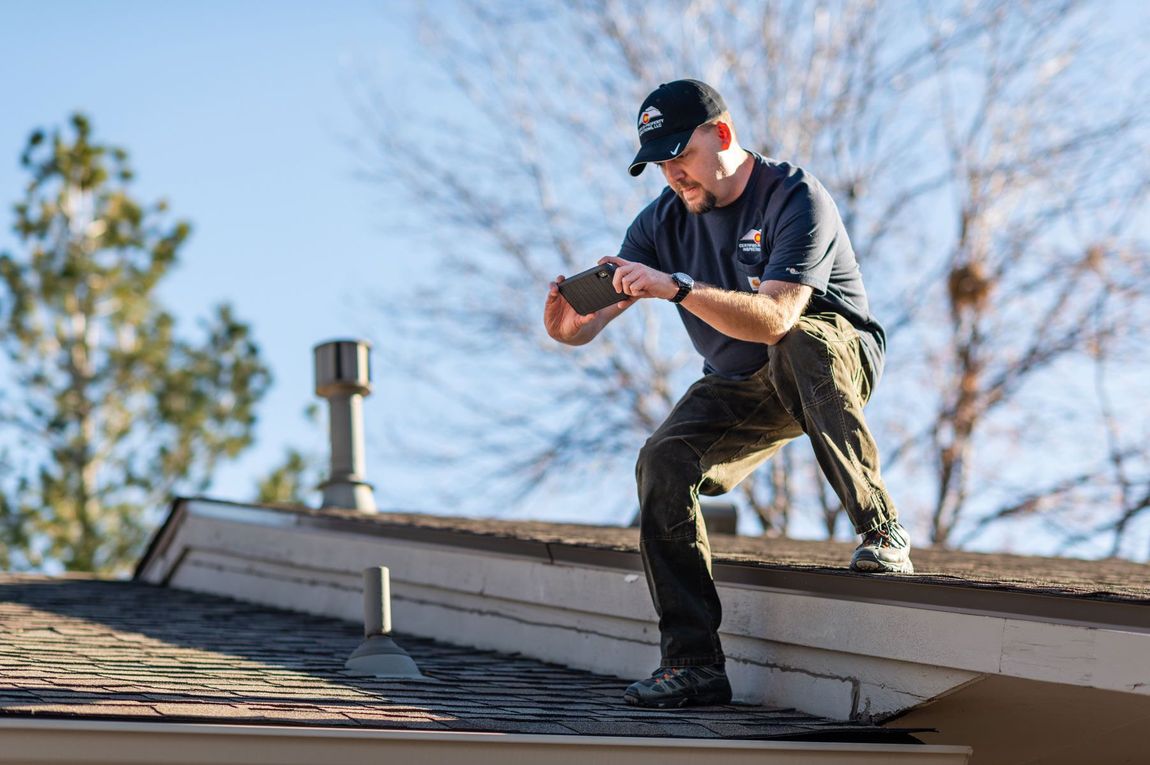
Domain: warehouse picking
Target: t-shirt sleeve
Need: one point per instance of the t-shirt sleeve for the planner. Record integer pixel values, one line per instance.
(803, 243)
(639, 243)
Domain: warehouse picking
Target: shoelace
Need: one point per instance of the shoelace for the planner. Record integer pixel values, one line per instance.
(672, 673)
(666, 673)
(883, 536)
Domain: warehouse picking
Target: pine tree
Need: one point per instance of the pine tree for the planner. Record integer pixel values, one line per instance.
(107, 410)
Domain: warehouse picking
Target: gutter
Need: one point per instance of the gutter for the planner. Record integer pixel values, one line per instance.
(83, 742)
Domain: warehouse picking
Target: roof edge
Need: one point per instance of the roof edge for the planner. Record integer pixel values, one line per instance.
(161, 537)
(959, 596)
(84, 742)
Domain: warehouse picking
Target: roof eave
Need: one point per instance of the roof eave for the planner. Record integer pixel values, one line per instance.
(88, 742)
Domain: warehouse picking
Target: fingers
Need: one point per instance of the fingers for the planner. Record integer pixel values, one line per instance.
(553, 288)
(629, 276)
(553, 307)
(617, 280)
(634, 279)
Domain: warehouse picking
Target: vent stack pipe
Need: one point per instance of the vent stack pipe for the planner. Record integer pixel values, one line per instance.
(379, 655)
(343, 377)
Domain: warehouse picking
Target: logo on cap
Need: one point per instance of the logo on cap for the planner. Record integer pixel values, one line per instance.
(650, 119)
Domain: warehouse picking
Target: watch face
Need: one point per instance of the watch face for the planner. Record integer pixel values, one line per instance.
(683, 280)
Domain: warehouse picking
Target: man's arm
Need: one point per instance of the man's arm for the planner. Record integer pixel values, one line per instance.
(765, 317)
(564, 324)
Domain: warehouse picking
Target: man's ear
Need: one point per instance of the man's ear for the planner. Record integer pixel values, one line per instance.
(723, 130)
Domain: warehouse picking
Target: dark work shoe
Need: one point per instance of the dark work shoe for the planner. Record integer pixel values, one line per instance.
(886, 550)
(681, 687)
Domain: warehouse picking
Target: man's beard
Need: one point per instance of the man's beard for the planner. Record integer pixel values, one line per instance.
(705, 205)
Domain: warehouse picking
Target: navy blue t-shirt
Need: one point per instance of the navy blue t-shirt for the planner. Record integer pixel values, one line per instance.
(783, 227)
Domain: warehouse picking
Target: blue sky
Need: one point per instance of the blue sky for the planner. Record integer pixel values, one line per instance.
(236, 113)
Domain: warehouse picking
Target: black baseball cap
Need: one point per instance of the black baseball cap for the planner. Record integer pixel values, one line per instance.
(670, 115)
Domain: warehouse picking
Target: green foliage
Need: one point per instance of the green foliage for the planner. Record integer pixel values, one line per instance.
(296, 479)
(113, 409)
(292, 481)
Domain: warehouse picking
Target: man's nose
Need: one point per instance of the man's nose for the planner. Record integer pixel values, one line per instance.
(672, 170)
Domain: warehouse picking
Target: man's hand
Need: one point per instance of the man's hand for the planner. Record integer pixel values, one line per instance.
(640, 281)
(563, 323)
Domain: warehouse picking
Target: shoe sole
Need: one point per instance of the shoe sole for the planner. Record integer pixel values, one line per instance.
(689, 701)
(872, 566)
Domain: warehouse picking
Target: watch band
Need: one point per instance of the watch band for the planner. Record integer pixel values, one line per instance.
(685, 284)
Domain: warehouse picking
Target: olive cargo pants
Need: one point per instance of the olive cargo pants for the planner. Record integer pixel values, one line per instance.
(815, 382)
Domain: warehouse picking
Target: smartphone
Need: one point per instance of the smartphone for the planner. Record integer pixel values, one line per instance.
(591, 290)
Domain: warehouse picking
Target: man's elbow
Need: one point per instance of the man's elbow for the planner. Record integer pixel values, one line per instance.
(789, 301)
(776, 335)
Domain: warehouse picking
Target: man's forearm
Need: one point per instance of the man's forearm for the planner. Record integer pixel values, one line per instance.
(754, 317)
(762, 317)
(589, 331)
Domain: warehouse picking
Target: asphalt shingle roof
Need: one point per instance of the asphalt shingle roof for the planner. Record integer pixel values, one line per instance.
(96, 649)
(1106, 580)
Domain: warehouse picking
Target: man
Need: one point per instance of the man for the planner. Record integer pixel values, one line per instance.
(755, 255)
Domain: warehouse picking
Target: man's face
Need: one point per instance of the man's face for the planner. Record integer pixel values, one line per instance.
(692, 174)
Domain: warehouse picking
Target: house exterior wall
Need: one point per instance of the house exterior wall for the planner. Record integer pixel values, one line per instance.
(822, 655)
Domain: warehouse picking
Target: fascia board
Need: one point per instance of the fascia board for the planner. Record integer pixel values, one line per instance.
(44, 742)
(877, 589)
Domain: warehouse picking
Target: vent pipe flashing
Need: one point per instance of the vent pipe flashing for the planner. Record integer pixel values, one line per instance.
(343, 377)
(378, 655)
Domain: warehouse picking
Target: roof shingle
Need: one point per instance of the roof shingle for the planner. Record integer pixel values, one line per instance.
(96, 649)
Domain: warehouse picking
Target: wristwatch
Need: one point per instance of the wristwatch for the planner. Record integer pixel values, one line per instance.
(685, 284)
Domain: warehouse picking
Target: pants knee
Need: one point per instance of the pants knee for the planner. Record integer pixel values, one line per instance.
(796, 349)
(668, 474)
(666, 454)
(799, 366)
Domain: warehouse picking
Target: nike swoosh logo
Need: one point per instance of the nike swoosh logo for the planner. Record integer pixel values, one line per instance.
(680, 143)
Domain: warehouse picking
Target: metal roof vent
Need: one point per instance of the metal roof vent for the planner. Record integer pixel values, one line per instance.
(343, 377)
(378, 655)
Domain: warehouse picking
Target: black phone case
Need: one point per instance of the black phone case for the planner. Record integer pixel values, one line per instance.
(591, 290)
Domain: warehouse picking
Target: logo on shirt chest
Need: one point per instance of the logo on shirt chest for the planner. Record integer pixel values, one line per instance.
(752, 241)
(750, 250)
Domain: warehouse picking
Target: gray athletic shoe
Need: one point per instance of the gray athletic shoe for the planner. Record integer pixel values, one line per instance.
(681, 687)
(885, 550)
